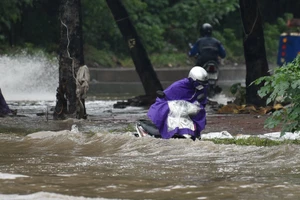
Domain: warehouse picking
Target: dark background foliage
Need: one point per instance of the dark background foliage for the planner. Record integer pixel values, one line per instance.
(165, 27)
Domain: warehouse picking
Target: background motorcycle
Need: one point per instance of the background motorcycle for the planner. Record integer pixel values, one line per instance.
(212, 68)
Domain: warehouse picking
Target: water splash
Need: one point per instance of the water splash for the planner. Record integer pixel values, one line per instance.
(222, 98)
(28, 77)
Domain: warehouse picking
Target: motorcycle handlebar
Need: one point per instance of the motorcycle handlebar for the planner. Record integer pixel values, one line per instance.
(160, 94)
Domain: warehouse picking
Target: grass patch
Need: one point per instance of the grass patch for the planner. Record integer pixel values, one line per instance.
(18, 131)
(27, 50)
(100, 58)
(253, 141)
(128, 128)
(173, 59)
(162, 60)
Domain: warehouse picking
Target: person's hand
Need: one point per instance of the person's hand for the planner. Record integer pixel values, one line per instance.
(160, 94)
(201, 97)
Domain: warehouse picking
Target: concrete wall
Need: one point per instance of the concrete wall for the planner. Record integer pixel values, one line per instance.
(127, 82)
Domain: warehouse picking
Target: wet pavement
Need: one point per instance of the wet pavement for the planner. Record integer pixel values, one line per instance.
(36, 116)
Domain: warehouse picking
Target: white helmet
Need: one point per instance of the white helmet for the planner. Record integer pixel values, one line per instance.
(198, 73)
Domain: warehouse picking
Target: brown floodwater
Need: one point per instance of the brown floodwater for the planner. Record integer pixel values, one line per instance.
(120, 166)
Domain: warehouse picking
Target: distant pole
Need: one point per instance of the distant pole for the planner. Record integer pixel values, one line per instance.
(138, 53)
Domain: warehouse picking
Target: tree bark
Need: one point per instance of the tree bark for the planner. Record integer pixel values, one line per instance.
(70, 57)
(254, 49)
(138, 53)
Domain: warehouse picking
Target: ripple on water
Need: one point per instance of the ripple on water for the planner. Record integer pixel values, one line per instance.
(118, 163)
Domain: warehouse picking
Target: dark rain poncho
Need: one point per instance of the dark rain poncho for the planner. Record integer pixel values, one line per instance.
(4, 109)
(179, 112)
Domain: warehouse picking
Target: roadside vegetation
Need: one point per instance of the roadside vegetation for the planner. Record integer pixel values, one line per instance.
(283, 86)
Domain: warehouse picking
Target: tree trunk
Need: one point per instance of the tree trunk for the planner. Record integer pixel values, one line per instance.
(254, 49)
(138, 53)
(70, 58)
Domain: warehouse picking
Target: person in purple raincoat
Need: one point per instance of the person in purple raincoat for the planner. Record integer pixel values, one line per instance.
(4, 109)
(179, 112)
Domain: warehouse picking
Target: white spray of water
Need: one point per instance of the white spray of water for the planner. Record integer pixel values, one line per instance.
(28, 77)
(222, 99)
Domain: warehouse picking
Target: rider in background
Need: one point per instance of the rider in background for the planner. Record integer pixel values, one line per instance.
(207, 47)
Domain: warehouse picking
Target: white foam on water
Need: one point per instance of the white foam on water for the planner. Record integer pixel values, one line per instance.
(272, 136)
(28, 77)
(48, 134)
(11, 176)
(45, 196)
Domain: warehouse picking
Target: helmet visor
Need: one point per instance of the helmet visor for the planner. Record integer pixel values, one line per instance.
(198, 83)
(204, 83)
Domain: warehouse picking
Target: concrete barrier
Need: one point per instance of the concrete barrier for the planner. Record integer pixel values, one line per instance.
(127, 82)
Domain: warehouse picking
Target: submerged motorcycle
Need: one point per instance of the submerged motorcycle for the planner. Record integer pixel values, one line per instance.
(180, 115)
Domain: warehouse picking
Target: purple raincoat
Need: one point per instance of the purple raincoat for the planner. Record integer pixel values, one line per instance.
(164, 112)
(4, 109)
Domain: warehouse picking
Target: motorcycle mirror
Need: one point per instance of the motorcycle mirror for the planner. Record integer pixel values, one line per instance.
(201, 97)
(160, 94)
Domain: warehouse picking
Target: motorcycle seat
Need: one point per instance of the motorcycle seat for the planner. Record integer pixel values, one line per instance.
(149, 127)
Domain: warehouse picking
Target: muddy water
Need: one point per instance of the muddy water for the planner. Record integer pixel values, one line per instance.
(113, 164)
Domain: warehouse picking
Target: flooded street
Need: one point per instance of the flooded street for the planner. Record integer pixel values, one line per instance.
(99, 158)
(113, 164)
